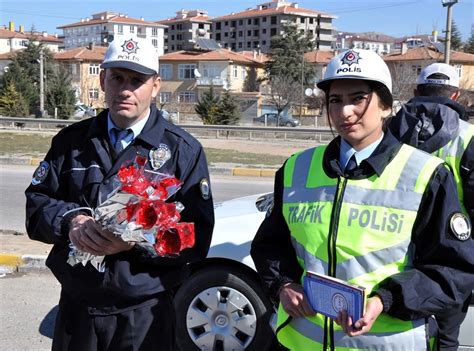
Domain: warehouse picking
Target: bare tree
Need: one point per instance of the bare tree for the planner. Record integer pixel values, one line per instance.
(284, 92)
(403, 82)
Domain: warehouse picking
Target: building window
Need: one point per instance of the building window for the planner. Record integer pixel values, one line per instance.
(166, 71)
(139, 30)
(458, 70)
(154, 42)
(119, 29)
(94, 94)
(264, 19)
(186, 71)
(154, 32)
(94, 69)
(179, 26)
(240, 45)
(256, 21)
(243, 73)
(235, 71)
(165, 96)
(218, 36)
(249, 33)
(273, 20)
(241, 22)
(73, 69)
(264, 31)
(201, 25)
(241, 33)
(218, 25)
(187, 96)
(416, 69)
(249, 21)
(273, 31)
(132, 29)
(249, 44)
(179, 47)
(255, 33)
(180, 36)
(233, 23)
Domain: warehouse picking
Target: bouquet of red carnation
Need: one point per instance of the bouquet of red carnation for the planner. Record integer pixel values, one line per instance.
(138, 211)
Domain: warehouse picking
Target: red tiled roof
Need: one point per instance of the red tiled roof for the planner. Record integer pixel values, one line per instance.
(5, 33)
(186, 19)
(279, 10)
(429, 53)
(114, 19)
(97, 53)
(319, 56)
(216, 55)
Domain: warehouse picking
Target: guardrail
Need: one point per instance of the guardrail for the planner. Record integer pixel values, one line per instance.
(320, 135)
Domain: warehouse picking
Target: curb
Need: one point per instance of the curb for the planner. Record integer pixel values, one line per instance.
(10, 263)
(232, 171)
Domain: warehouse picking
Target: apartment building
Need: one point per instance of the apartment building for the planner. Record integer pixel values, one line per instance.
(253, 28)
(185, 75)
(104, 26)
(84, 66)
(12, 40)
(182, 31)
(381, 44)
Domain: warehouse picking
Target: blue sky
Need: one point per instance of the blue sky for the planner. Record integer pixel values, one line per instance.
(392, 17)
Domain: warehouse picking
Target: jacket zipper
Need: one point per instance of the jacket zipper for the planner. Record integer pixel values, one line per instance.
(341, 186)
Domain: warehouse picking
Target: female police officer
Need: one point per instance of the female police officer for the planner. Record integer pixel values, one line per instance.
(129, 306)
(370, 211)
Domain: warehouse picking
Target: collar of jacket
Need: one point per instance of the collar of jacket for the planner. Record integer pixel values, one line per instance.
(152, 132)
(376, 163)
(442, 115)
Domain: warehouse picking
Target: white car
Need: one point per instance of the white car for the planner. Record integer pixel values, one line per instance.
(222, 306)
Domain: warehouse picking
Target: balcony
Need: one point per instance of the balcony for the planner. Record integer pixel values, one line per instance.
(210, 81)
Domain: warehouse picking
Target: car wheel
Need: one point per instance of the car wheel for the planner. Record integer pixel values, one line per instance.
(289, 124)
(222, 309)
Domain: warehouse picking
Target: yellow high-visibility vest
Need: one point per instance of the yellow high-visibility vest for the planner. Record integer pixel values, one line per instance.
(358, 231)
(452, 154)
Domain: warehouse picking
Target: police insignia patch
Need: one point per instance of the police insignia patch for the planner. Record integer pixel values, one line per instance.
(130, 46)
(205, 189)
(40, 173)
(350, 57)
(460, 226)
(159, 156)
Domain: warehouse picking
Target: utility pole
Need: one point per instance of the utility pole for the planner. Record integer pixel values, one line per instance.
(447, 50)
(41, 83)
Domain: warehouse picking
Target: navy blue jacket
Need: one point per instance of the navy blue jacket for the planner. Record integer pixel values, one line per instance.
(82, 171)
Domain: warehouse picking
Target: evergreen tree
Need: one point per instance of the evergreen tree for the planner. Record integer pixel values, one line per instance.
(12, 103)
(207, 107)
(60, 94)
(469, 45)
(456, 39)
(228, 113)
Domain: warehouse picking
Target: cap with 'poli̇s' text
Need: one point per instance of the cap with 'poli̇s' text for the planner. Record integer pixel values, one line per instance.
(132, 53)
(452, 77)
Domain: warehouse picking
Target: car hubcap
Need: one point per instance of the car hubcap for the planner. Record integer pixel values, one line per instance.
(221, 318)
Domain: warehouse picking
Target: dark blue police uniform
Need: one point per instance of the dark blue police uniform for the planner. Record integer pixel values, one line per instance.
(132, 297)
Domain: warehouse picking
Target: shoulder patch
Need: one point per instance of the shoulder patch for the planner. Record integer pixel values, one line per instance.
(40, 173)
(460, 226)
(205, 189)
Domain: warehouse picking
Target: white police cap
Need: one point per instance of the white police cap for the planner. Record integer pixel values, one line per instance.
(357, 64)
(133, 53)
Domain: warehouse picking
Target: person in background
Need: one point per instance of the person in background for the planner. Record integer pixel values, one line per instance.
(129, 306)
(434, 122)
(370, 211)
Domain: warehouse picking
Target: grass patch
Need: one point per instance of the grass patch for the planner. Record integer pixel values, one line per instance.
(37, 144)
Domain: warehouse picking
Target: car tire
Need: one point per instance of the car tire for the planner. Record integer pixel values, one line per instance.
(208, 300)
(289, 124)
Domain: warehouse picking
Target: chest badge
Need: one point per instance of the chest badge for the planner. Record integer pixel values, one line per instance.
(460, 226)
(40, 173)
(159, 156)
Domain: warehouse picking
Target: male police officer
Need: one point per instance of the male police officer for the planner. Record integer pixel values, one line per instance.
(129, 306)
(434, 122)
